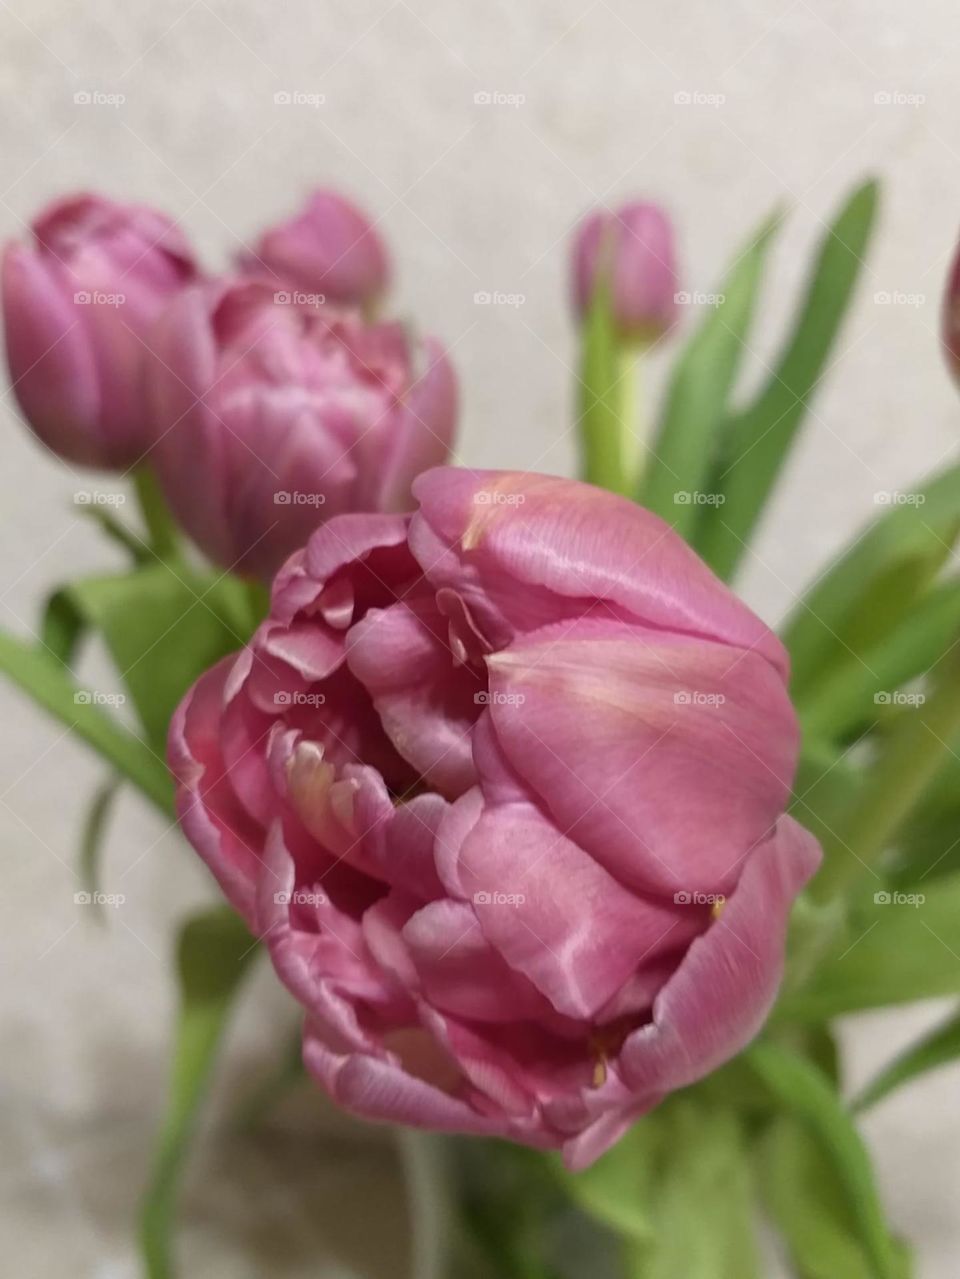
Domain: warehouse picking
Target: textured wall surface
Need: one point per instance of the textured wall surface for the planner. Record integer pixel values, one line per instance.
(791, 101)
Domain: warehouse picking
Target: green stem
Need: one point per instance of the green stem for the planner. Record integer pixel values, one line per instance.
(908, 762)
(161, 530)
(422, 1157)
(601, 406)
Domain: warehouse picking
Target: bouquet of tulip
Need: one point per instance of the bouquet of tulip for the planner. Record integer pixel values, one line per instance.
(563, 853)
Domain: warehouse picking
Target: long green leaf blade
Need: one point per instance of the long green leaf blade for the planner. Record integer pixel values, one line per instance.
(214, 952)
(940, 1047)
(759, 438)
(46, 681)
(675, 482)
(803, 1090)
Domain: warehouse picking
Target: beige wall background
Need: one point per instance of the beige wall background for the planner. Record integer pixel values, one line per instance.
(474, 197)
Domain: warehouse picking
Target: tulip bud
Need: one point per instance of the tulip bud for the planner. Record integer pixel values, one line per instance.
(329, 249)
(271, 416)
(950, 327)
(632, 250)
(78, 305)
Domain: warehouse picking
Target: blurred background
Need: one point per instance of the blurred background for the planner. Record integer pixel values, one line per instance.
(476, 138)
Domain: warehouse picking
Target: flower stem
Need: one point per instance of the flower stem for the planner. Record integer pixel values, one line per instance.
(601, 406)
(161, 530)
(422, 1157)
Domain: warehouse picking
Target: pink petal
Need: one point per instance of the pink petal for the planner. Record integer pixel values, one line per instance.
(512, 537)
(554, 913)
(668, 758)
(721, 993)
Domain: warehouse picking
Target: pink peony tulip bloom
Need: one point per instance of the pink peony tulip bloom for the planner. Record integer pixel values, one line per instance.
(78, 306)
(329, 249)
(502, 784)
(272, 416)
(634, 249)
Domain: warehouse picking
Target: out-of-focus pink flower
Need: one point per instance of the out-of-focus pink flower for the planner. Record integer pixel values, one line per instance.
(502, 786)
(272, 416)
(78, 306)
(329, 249)
(633, 251)
(950, 327)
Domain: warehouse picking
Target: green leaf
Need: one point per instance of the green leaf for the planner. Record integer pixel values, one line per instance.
(117, 531)
(856, 688)
(892, 951)
(891, 560)
(938, 1048)
(687, 442)
(61, 627)
(602, 398)
(703, 1203)
(676, 1189)
(214, 952)
(45, 680)
(92, 838)
(617, 1190)
(758, 439)
(803, 1091)
(807, 1201)
(164, 625)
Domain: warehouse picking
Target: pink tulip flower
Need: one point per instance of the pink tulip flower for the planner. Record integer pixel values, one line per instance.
(78, 306)
(502, 787)
(633, 251)
(272, 416)
(330, 249)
